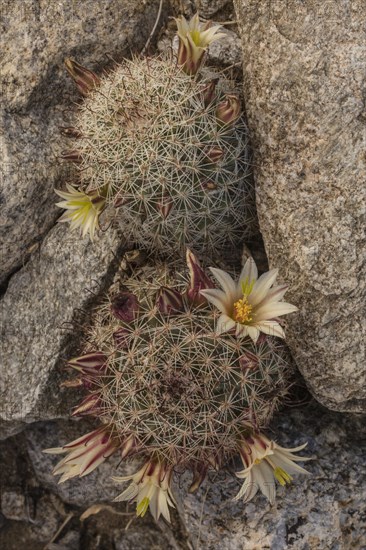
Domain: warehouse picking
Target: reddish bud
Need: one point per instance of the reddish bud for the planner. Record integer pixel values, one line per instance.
(165, 206)
(214, 154)
(248, 361)
(169, 301)
(125, 307)
(198, 280)
(120, 338)
(209, 92)
(70, 131)
(72, 156)
(228, 110)
(91, 364)
(89, 405)
(84, 79)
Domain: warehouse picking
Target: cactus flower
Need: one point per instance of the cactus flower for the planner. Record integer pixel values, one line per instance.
(194, 39)
(150, 488)
(84, 454)
(251, 305)
(264, 462)
(82, 209)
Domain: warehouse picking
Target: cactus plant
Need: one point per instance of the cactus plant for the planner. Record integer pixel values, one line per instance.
(166, 386)
(166, 149)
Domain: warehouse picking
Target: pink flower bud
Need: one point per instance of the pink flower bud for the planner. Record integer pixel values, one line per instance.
(120, 338)
(198, 280)
(228, 110)
(169, 301)
(91, 364)
(72, 156)
(84, 79)
(165, 206)
(88, 406)
(125, 307)
(248, 361)
(209, 92)
(214, 154)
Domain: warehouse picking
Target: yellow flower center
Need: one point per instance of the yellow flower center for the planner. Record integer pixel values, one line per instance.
(142, 507)
(257, 461)
(282, 476)
(242, 311)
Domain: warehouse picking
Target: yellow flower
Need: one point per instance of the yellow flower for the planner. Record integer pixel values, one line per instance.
(265, 462)
(251, 305)
(82, 209)
(150, 488)
(194, 38)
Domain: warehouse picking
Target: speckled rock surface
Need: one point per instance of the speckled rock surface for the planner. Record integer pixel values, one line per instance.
(317, 512)
(37, 96)
(323, 510)
(305, 89)
(40, 314)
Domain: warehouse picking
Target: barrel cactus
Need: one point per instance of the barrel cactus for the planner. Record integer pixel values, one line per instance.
(166, 148)
(167, 386)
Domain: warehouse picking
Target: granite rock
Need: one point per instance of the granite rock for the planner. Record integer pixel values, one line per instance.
(318, 511)
(305, 89)
(42, 314)
(38, 97)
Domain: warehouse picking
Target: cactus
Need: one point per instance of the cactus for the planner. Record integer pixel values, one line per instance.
(167, 387)
(167, 151)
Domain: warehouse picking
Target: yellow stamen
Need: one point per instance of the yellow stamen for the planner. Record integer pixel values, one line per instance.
(242, 310)
(257, 461)
(142, 507)
(282, 476)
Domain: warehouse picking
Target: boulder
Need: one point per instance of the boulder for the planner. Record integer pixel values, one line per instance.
(42, 313)
(305, 89)
(38, 98)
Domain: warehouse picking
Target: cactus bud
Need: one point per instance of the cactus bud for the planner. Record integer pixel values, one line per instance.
(84, 79)
(90, 364)
(125, 307)
(70, 131)
(72, 156)
(209, 92)
(198, 280)
(228, 110)
(214, 154)
(120, 338)
(165, 206)
(169, 301)
(88, 406)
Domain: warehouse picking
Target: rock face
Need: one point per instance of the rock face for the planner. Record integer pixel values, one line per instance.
(305, 89)
(40, 314)
(37, 98)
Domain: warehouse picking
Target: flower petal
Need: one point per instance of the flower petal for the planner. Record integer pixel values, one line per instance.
(262, 287)
(218, 298)
(249, 273)
(253, 332)
(272, 328)
(272, 310)
(224, 324)
(226, 282)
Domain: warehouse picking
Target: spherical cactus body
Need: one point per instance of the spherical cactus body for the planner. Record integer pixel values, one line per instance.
(168, 152)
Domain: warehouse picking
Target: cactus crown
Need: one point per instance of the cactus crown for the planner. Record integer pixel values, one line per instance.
(170, 151)
(183, 393)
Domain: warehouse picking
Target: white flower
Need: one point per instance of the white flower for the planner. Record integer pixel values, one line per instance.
(82, 209)
(194, 38)
(150, 488)
(265, 462)
(84, 454)
(251, 305)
